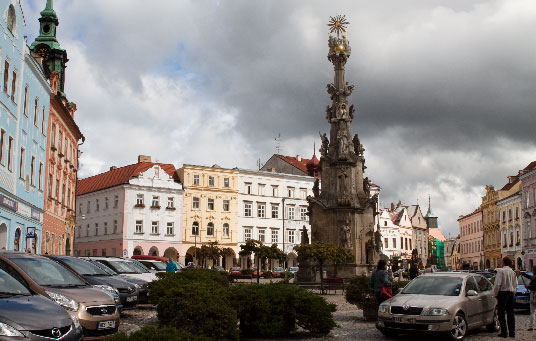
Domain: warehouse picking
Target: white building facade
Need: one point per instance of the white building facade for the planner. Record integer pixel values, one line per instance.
(140, 213)
(397, 233)
(262, 199)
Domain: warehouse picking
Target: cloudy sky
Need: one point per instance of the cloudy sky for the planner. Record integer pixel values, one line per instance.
(445, 90)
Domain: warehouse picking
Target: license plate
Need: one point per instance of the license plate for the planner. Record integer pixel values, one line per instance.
(522, 299)
(132, 299)
(400, 319)
(106, 325)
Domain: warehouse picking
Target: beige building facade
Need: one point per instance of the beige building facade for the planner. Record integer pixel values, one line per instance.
(210, 211)
(471, 250)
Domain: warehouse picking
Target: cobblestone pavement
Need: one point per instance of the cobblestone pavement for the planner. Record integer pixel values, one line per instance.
(351, 325)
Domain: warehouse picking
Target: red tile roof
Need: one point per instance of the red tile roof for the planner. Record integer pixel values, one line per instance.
(437, 234)
(118, 176)
(531, 166)
(301, 165)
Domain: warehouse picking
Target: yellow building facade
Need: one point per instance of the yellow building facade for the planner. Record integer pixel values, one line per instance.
(210, 211)
(490, 227)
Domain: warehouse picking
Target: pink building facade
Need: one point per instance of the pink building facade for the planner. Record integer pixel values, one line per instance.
(471, 241)
(528, 204)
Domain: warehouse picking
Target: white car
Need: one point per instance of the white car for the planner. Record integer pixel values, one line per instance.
(126, 267)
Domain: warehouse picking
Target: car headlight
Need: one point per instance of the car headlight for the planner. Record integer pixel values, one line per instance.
(107, 288)
(7, 330)
(75, 321)
(384, 308)
(137, 286)
(435, 312)
(64, 301)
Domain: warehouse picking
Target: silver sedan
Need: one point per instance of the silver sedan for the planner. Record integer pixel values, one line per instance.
(449, 303)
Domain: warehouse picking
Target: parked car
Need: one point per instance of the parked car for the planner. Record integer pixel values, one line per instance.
(95, 309)
(293, 270)
(22, 317)
(278, 271)
(128, 294)
(255, 272)
(125, 267)
(235, 271)
(449, 303)
(140, 284)
(145, 257)
(522, 295)
(154, 265)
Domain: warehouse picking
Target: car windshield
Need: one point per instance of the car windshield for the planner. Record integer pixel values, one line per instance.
(293, 268)
(9, 286)
(83, 267)
(122, 267)
(46, 272)
(278, 269)
(103, 267)
(138, 268)
(159, 266)
(434, 285)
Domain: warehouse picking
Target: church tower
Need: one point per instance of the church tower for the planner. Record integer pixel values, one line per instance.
(430, 217)
(47, 46)
(342, 212)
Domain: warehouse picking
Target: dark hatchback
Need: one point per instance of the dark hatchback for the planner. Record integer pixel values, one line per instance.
(26, 315)
(140, 284)
(128, 293)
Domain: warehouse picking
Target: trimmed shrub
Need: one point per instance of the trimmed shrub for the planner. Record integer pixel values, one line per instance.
(151, 333)
(274, 310)
(267, 274)
(360, 293)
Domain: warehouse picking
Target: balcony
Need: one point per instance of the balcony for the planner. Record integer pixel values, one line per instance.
(155, 207)
(171, 208)
(141, 205)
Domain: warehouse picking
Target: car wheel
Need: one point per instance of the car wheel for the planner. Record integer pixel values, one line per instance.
(459, 327)
(494, 326)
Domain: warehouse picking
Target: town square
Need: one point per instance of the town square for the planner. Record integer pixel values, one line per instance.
(267, 170)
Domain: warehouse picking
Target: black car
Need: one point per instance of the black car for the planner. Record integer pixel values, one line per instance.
(25, 315)
(140, 284)
(128, 293)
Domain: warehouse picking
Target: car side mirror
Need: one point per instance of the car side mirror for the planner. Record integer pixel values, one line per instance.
(472, 293)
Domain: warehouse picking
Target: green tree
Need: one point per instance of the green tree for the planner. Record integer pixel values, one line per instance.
(252, 246)
(321, 253)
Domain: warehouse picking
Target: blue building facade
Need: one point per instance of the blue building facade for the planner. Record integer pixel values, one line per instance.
(24, 110)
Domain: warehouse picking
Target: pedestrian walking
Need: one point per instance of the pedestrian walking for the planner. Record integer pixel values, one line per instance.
(532, 300)
(379, 279)
(504, 289)
(171, 266)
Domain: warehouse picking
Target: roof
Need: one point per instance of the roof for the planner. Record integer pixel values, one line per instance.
(118, 176)
(530, 166)
(510, 184)
(437, 234)
(300, 164)
(478, 210)
(412, 210)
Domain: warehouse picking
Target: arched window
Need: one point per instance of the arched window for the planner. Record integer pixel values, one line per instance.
(195, 228)
(210, 229)
(11, 19)
(226, 230)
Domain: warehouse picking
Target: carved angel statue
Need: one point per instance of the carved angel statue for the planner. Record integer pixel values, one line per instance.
(366, 185)
(316, 188)
(328, 113)
(304, 235)
(351, 112)
(346, 236)
(343, 144)
(325, 145)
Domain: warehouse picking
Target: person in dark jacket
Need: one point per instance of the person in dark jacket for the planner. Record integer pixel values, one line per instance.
(532, 301)
(378, 279)
(413, 271)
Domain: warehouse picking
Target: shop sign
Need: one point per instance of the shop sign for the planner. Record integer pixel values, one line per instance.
(30, 232)
(9, 203)
(36, 214)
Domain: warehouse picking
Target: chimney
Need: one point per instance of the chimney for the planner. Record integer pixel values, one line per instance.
(144, 158)
(392, 206)
(298, 158)
(113, 168)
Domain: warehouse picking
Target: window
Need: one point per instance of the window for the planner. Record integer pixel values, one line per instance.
(247, 209)
(13, 85)
(32, 171)
(171, 202)
(2, 141)
(11, 19)
(97, 206)
(154, 227)
(36, 119)
(157, 172)
(225, 182)
(156, 201)
(25, 108)
(60, 138)
(50, 185)
(261, 189)
(105, 227)
(106, 203)
(53, 136)
(386, 243)
(139, 226)
(261, 208)
(274, 191)
(139, 199)
(247, 234)
(115, 226)
(210, 229)
(394, 243)
(226, 205)
(248, 188)
(196, 179)
(401, 242)
(116, 201)
(169, 228)
(385, 223)
(195, 228)
(303, 213)
(274, 236)
(43, 122)
(6, 75)
(211, 181)
(226, 230)
(410, 248)
(63, 196)
(510, 214)
(96, 229)
(195, 203)
(87, 230)
(291, 236)
(303, 192)
(21, 164)
(290, 213)
(262, 235)
(517, 212)
(275, 211)
(210, 204)
(290, 192)
(80, 208)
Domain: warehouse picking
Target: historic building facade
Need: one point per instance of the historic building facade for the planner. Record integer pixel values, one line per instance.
(210, 210)
(24, 108)
(471, 250)
(528, 199)
(62, 143)
(273, 209)
(510, 225)
(135, 209)
(420, 232)
(436, 239)
(490, 228)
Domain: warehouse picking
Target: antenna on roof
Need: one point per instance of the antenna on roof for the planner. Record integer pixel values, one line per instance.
(259, 164)
(278, 147)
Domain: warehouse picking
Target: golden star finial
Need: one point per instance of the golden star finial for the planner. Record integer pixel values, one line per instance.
(337, 24)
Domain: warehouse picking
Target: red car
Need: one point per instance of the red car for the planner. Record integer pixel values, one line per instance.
(235, 271)
(255, 272)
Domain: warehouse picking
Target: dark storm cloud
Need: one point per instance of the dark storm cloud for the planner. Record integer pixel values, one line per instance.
(444, 89)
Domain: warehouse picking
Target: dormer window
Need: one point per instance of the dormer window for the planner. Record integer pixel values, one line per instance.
(11, 19)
